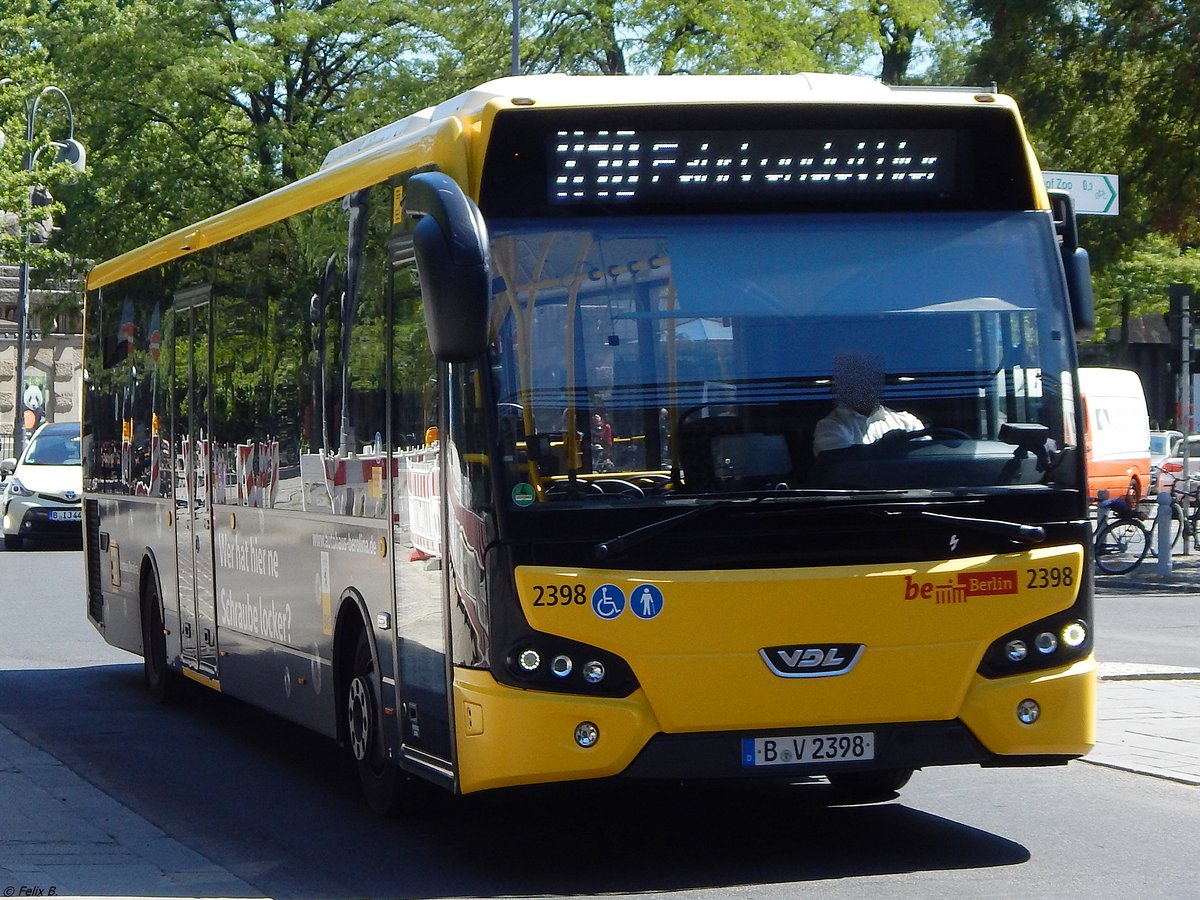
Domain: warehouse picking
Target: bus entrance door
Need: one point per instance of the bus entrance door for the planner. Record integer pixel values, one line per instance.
(197, 598)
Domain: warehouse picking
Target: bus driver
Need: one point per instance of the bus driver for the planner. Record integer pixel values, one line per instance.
(859, 417)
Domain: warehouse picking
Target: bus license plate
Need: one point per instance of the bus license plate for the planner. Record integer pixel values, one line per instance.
(808, 748)
(66, 515)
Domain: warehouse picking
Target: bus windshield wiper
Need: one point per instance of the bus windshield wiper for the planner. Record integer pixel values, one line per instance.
(1033, 534)
(622, 542)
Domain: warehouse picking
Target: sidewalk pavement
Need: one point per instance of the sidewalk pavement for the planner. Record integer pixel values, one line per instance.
(1148, 717)
(1148, 721)
(62, 836)
(1184, 577)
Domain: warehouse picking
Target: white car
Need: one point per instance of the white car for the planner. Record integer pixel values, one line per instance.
(1163, 445)
(43, 489)
(1173, 464)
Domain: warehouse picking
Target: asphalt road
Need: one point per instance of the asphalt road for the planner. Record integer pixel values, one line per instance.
(275, 806)
(1162, 629)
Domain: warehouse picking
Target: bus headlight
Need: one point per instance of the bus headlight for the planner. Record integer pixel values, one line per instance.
(1046, 642)
(1074, 634)
(1057, 640)
(1016, 650)
(546, 662)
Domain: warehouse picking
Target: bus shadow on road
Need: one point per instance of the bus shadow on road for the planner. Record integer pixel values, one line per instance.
(631, 838)
(257, 794)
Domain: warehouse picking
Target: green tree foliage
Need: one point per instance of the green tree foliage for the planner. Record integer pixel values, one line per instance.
(742, 36)
(27, 195)
(1108, 87)
(1136, 284)
(175, 92)
(1111, 86)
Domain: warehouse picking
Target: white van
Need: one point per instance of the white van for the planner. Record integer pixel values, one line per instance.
(1117, 432)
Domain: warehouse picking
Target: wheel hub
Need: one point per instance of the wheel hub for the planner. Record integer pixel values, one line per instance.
(360, 718)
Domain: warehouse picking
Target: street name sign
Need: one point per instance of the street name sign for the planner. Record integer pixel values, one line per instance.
(1094, 194)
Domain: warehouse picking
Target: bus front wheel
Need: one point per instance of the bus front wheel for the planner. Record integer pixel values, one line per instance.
(160, 679)
(382, 782)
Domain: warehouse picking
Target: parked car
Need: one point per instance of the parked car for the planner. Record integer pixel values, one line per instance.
(43, 489)
(1163, 445)
(1173, 464)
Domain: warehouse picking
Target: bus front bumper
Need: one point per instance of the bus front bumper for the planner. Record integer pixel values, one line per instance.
(508, 737)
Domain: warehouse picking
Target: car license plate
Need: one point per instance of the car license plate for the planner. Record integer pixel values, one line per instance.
(808, 748)
(66, 515)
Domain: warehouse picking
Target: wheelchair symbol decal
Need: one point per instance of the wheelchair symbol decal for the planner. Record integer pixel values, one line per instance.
(608, 601)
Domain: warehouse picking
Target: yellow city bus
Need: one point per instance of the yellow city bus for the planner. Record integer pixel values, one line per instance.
(641, 427)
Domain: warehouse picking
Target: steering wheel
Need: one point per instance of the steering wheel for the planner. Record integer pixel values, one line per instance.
(576, 487)
(899, 435)
(618, 486)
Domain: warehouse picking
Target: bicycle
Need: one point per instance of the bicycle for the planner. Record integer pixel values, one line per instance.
(1183, 526)
(1123, 542)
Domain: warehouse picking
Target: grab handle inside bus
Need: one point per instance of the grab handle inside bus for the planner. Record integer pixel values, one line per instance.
(451, 247)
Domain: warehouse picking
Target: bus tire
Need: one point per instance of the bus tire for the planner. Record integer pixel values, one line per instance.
(870, 786)
(162, 682)
(382, 782)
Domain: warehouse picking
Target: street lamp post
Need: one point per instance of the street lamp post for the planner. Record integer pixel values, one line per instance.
(69, 151)
(516, 37)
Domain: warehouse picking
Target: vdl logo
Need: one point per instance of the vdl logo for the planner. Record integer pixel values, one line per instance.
(811, 660)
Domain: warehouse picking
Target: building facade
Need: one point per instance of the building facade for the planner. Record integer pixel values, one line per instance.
(53, 358)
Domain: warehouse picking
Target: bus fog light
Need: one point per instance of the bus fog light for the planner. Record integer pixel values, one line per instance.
(586, 734)
(1016, 651)
(562, 666)
(1074, 634)
(593, 672)
(1028, 711)
(529, 660)
(1046, 642)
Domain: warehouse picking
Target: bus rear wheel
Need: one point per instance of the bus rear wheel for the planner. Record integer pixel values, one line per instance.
(870, 786)
(382, 782)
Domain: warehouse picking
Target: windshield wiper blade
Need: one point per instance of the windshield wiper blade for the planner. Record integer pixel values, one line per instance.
(613, 546)
(622, 542)
(1015, 531)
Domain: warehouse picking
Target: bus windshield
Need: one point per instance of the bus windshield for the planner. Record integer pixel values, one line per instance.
(697, 355)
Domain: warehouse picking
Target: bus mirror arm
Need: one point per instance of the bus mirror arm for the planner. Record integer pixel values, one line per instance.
(1076, 265)
(451, 247)
(1028, 437)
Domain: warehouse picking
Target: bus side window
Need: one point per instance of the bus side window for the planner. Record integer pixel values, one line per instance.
(468, 434)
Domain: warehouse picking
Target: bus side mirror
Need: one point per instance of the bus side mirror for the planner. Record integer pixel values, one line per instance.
(451, 247)
(1076, 265)
(1079, 288)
